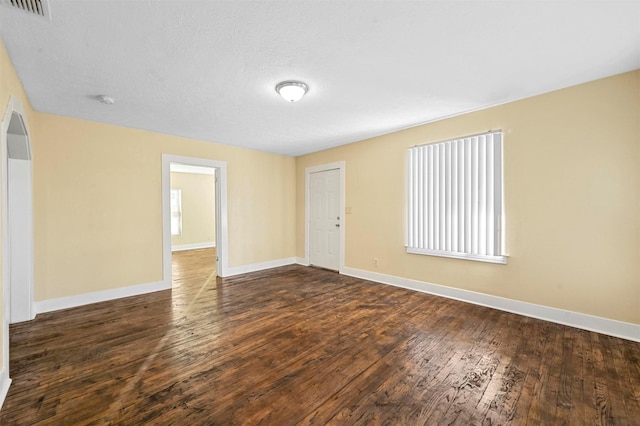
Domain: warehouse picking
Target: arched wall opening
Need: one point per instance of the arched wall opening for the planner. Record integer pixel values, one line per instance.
(17, 227)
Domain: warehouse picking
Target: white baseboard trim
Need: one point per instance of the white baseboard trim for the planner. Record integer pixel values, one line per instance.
(49, 305)
(610, 327)
(302, 261)
(5, 383)
(237, 270)
(194, 246)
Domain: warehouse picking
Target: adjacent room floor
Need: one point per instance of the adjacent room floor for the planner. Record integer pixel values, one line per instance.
(297, 345)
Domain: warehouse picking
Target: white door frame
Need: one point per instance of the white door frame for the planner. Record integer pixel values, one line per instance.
(340, 165)
(25, 262)
(222, 241)
(17, 213)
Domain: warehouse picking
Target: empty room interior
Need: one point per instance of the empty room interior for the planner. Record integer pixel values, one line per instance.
(320, 212)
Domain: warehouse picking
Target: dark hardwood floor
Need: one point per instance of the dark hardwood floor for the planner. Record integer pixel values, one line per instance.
(298, 345)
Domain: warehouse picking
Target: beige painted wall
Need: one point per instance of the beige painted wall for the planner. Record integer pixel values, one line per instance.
(97, 202)
(572, 195)
(198, 208)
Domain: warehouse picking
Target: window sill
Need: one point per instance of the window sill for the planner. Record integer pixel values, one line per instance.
(464, 256)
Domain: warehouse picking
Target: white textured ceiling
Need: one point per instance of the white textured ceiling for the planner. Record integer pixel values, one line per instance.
(207, 69)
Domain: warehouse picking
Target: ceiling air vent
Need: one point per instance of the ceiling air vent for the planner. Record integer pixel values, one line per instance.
(36, 7)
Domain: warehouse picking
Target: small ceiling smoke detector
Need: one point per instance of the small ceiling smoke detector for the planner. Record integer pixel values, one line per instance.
(291, 91)
(107, 100)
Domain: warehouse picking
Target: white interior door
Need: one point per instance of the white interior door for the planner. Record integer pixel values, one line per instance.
(325, 219)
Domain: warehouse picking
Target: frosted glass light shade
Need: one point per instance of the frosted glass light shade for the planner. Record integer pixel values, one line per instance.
(291, 91)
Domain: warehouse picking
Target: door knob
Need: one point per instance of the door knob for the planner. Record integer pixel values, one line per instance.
(337, 225)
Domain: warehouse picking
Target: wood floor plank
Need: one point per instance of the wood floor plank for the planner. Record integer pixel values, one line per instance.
(499, 346)
(298, 345)
(571, 377)
(628, 366)
(606, 367)
(501, 397)
(359, 391)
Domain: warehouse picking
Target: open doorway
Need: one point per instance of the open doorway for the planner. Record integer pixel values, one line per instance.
(193, 215)
(19, 215)
(193, 222)
(177, 196)
(17, 226)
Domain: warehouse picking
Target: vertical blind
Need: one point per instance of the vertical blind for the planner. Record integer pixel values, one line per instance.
(455, 198)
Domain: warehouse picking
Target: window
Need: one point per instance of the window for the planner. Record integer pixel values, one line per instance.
(455, 198)
(176, 212)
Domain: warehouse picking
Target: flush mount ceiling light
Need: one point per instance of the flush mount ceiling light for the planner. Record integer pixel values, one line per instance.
(291, 91)
(107, 100)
